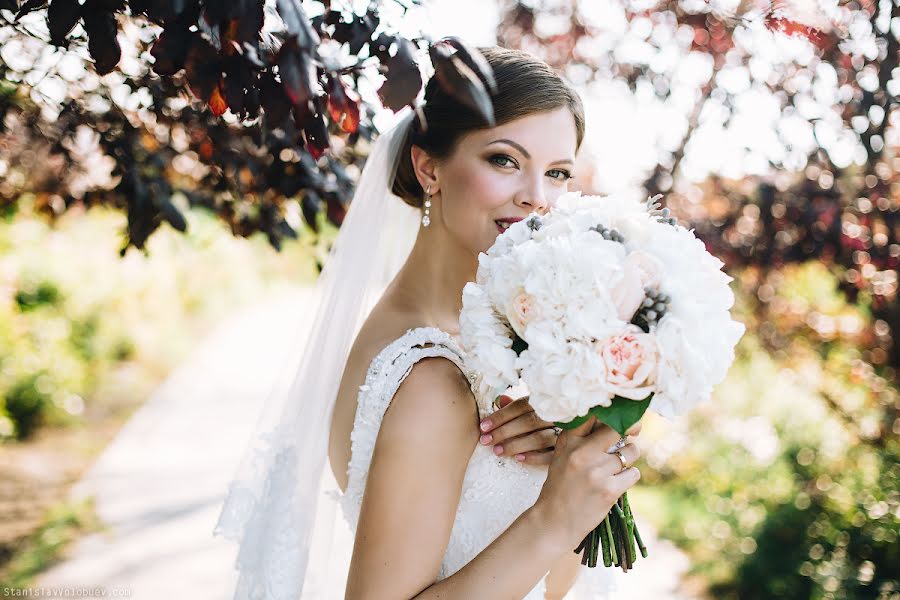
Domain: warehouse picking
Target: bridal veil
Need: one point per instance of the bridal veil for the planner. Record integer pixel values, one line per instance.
(281, 506)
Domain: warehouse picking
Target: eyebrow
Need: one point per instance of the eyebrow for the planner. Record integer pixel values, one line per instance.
(521, 149)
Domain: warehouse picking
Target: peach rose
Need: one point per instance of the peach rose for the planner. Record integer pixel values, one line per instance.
(630, 359)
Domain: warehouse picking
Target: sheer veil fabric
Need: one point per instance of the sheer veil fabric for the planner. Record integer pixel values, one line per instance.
(281, 505)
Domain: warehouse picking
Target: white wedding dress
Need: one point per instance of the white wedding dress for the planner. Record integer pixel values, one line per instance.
(496, 490)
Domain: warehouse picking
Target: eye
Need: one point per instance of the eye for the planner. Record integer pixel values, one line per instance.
(560, 174)
(502, 160)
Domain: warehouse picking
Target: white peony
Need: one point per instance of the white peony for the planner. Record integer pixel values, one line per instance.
(570, 295)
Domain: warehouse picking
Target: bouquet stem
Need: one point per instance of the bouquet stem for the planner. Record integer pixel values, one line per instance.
(613, 539)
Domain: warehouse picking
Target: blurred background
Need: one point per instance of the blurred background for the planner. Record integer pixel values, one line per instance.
(172, 174)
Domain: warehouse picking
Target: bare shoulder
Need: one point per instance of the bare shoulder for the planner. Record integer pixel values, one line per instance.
(435, 394)
(415, 480)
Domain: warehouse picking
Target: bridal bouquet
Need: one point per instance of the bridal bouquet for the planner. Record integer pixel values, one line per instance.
(604, 306)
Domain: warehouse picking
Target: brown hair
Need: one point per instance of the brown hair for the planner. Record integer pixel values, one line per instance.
(525, 85)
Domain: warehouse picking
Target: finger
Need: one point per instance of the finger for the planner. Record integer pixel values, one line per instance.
(634, 429)
(602, 438)
(626, 478)
(503, 400)
(514, 409)
(579, 432)
(535, 458)
(536, 440)
(522, 425)
(613, 465)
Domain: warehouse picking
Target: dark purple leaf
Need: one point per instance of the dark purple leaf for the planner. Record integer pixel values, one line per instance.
(461, 82)
(203, 67)
(61, 18)
(166, 11)
(380, 48)
(403, 78)
(335, 209)
(238, 77)
(173, 216)
(356, 32)
(103, 43)
(249, 16)
(251, 103)
(297, 23)
(311, 205)
(315, 130)
(275, 102)
(29, 6)
(295, 69)
(170, 49)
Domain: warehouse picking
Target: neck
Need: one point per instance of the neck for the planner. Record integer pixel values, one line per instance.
(431, 280)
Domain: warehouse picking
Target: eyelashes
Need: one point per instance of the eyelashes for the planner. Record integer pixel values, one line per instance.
(504, 160)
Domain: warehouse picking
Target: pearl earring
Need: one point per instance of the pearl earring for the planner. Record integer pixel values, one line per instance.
(426, 218)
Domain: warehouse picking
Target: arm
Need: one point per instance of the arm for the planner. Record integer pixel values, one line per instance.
(410, 504)
(562, 575)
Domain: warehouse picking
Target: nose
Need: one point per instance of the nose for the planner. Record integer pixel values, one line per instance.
(532, 198)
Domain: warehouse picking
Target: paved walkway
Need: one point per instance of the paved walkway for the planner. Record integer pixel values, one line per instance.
(159, 485)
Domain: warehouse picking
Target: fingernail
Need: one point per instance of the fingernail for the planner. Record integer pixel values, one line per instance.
(498, 450)
(486, 438)
(485, 425)
(520, 457)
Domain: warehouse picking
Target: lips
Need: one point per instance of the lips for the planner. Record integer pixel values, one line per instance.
(503, 224)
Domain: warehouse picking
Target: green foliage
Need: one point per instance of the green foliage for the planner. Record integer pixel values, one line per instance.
(786, 484)
(40, 550)
(30, 298)
(59, 348)
(26, 404)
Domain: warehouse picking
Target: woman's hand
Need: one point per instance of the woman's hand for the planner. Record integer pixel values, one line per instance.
(516, 430)
(584, 479)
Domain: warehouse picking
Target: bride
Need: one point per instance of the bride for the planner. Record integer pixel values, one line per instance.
(445, 495)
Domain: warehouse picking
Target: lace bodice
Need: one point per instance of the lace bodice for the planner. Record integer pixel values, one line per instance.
(496, 490)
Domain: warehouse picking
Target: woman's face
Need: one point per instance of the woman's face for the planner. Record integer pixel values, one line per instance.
(499, 175)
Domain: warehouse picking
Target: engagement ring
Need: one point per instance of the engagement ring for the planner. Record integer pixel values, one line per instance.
(558, 430)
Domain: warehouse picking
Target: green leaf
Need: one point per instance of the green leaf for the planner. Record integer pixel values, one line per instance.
(573, 423)
(519, 345)
(622, 413)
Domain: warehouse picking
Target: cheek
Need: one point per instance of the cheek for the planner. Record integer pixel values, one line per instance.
(477, 193)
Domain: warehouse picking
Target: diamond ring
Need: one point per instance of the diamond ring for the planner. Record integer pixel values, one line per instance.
(558, 430)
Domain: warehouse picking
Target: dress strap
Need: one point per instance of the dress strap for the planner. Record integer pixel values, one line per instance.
(388, 370)
(393, 364)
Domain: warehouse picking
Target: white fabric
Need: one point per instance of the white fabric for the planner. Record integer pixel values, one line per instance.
(495, 491)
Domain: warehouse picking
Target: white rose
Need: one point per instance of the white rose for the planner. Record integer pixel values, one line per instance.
(649, 269)
(628, 293)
